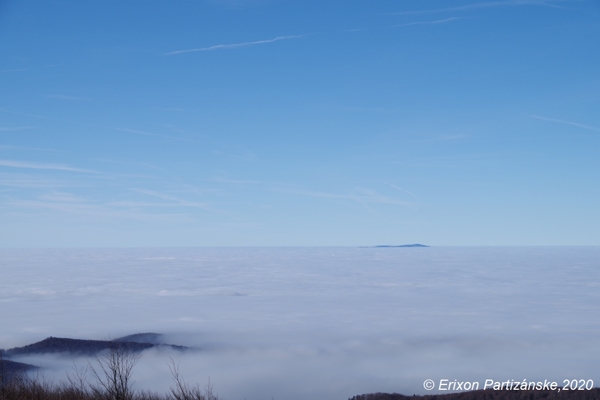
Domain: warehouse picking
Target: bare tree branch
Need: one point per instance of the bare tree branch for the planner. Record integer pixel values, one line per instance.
(114, 373)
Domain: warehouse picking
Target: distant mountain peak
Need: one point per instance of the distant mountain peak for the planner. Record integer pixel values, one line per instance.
(402, 245)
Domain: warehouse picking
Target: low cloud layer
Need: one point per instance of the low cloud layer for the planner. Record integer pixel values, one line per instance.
(318, 323)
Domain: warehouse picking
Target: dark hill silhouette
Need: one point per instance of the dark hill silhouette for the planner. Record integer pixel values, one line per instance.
(84, 347)
(593, 394)
(401, 245)
(10, 368)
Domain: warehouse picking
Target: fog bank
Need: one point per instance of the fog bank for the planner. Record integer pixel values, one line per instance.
(319, 323)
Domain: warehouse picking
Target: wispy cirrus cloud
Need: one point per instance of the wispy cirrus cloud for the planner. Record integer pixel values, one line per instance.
(66, 97)
(144, 133)
(449, 137)
(62, 197)
(243, 181)
(14, 128)
(411, 194)
(42, 166)
(174, 201)
(22, 148)
(14, 70)
(84, 207)
(489, 4)
(21, 113)
(125, 162)
(439, 21)
(20, 180)
(139, 204)
(360, 196)
(561, 121)
(235, 45)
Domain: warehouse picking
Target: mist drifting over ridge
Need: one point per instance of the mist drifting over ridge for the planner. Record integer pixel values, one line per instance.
(317, 323)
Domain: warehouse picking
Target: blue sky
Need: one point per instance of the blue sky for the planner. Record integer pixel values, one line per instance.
(284, 123)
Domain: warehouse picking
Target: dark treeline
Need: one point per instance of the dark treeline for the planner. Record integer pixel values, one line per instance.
(25, 387)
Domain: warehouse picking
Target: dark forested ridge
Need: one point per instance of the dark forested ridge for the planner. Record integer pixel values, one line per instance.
(73, 346)
(593, 394)
(401, 245)
(11, 367)
(87, 347)
(80, 347)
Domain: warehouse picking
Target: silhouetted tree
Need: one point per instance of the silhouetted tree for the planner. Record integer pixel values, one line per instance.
(114, 373)
(183, 391)
(3, 377)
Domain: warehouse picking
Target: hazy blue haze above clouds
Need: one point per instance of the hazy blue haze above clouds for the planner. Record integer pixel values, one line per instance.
(318, 323)
(210, 123)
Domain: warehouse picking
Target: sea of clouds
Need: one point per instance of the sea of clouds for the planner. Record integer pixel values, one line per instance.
(316, 323)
